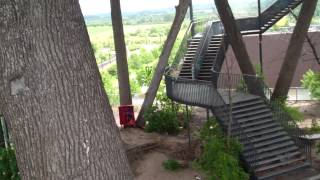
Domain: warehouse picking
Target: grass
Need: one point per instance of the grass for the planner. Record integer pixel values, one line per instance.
(171, 165)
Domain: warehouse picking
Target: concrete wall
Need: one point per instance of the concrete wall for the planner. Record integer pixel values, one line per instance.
(274, 48)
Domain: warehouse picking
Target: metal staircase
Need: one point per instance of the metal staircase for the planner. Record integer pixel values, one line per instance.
(213, 53)
(271, 139)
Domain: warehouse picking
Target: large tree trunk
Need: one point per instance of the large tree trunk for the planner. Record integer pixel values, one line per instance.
(121, 53)
(294, 50)
(52, 95)
(181, 11)
(238, 46)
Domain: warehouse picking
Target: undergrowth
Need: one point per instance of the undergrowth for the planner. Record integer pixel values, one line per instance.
(219, 160)
(161, 120)
(8, 165)
(171, 165)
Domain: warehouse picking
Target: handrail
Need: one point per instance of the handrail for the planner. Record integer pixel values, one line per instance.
(207, 96)
(181, 51)
(237, 83)
(287, 121)
(184, 44)
(203, 46)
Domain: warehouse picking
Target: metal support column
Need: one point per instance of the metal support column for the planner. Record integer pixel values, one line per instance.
(188, 126)
(260, 37)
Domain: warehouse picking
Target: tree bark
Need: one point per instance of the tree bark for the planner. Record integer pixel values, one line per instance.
(238, 46)
(181, 11)
(121, 53)
(52, 95)
(294, 50)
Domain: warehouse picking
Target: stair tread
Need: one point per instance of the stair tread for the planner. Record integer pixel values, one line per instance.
(252, 113)
(271, 148)
(279, 164)
(249, 108)
(265, 138)
(274, 153)
(256, 123)
(284, 171)
(264, 132)
(289, 155)
(242, 120)
(264, 143)
(260, 127)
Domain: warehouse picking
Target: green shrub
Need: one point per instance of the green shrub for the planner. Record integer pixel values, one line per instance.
(294, 112)
(161, 120)
(8, 165)
(171, 165)
(219, 159)
(318, 148)
(311, 81)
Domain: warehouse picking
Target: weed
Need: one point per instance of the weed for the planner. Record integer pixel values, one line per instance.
(161, 120)
(171, 165)
(219, 160)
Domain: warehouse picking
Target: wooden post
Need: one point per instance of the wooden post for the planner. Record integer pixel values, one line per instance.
(191, 18)
(181, 11)
(121, 54)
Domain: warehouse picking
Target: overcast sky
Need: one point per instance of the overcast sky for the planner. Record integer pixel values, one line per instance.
(90, 7)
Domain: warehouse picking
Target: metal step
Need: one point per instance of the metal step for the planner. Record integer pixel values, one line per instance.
(277, 158)
(243, 120)
(284, 171)
(267, 137)
(269, 148)
(249, 108)
(264, 132)
(276, 152)
(256, 123)
(252, 113)
(271, 141)
(273, 166)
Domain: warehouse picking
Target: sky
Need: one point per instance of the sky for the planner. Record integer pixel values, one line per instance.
(92, 7)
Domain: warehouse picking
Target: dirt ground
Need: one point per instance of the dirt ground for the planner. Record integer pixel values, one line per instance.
(310, 110)
(147, 151)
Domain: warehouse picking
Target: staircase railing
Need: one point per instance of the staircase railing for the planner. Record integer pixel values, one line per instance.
(223, 112)
(287, 122)
(199, 55)
(237, 84)
(204, 94)
(183, 47)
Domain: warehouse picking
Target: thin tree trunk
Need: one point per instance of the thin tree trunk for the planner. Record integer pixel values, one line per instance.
(238, 46)
(121, 53)
(294, 50)
(181, 11)
(52, 95)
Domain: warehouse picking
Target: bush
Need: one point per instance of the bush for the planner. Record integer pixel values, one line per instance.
(171, 165)
(161, 120)
(8, 165)
(294, 113)
(219, 159)
(311, 81)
